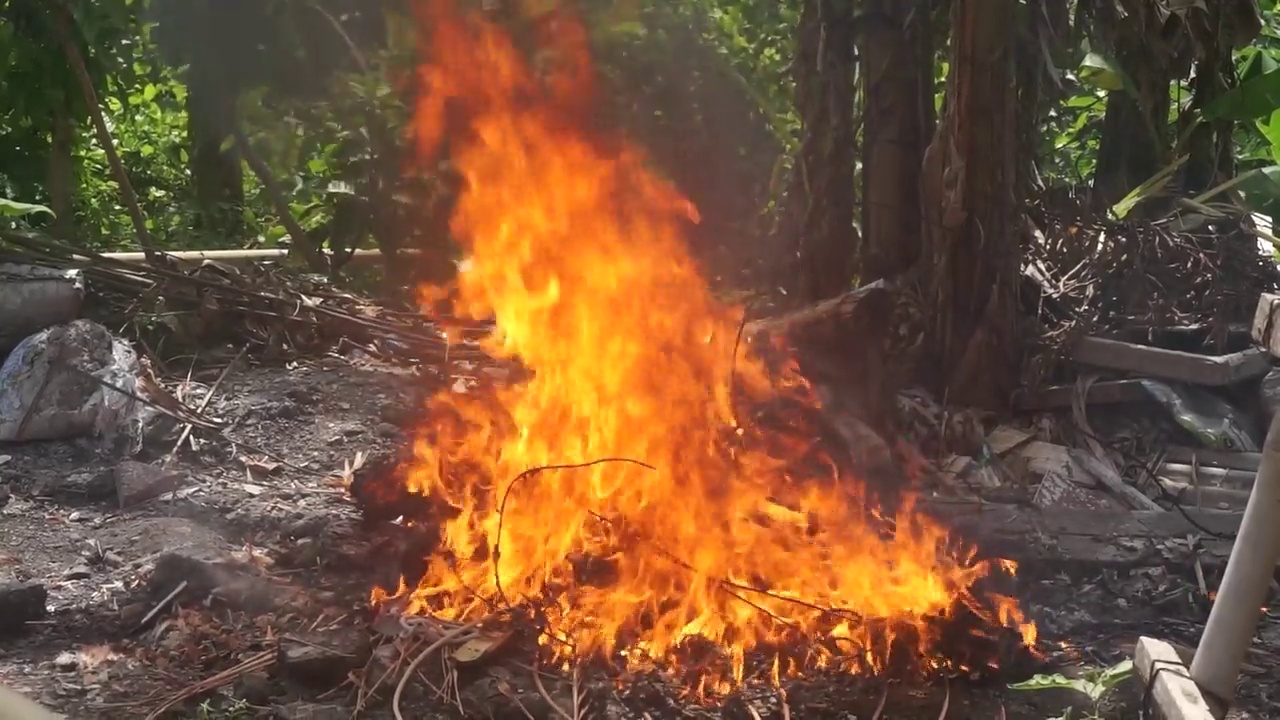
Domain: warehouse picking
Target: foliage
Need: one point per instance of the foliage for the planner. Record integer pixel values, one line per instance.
(323, 99)
(1094, 683)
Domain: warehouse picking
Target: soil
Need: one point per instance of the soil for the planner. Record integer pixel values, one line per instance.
(295, 564)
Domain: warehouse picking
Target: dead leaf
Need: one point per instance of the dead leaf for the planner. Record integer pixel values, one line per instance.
(477, 648)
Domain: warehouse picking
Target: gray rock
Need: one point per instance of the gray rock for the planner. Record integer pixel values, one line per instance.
(53, 385)
(137, 482)
(33, 298)
(20, 604)
(79, 572)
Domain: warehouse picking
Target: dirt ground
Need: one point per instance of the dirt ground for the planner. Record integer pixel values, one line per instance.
(269, 506)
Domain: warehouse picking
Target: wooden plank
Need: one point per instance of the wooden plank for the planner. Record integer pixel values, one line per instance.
(1214, 371)
(1214, 458)
(1176, 695)
(1217, 477)
(1265, 330)
(1107, 392)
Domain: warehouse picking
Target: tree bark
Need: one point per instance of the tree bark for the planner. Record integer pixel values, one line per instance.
(824, 181)
(897, 68)
(301, 240)
(971, 212)
(215, 172)
(62, 172)
(62, 23)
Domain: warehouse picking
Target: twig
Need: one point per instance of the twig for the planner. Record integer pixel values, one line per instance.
(880, 708)
(261, 661)
(204, 403)
(782, 701)
(542, 689)
(502, 506)
(733, 368)
(160, 606)
(946, 703)
(453, 634)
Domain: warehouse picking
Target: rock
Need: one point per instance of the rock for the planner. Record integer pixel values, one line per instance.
(254, 688)
(33, 298)
(43, 398)
(308, 526)
(80, 572)
(303, 395)
(66, 661)
(137, 482)
(78, 487)
(387, 430)
(171, 569)
(5, 459)
(310, 711)
(323, 659)
(20, 604)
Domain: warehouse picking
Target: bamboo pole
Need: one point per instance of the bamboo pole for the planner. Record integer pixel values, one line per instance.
(1233, 621)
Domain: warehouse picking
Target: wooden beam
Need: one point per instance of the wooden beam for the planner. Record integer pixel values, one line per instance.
(243, 257)
(1193, 368)
(1175, 695)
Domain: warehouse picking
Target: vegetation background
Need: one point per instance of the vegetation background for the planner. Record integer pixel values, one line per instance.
(825, 142)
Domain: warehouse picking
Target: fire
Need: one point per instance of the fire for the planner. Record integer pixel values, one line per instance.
(618, 488)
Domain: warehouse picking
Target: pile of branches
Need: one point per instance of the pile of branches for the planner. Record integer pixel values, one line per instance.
(1140, 276)
(174, 308)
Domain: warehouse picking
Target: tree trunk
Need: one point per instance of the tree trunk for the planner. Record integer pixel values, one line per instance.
(215, 164)
(62, 172)
(62, 23)
(897, 69)
(971, 212)
(825, 172)
(1135, 129)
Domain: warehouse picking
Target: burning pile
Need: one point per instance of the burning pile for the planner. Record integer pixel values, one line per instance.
(682, 522)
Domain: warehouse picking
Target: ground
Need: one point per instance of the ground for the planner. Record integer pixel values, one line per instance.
(273, 506)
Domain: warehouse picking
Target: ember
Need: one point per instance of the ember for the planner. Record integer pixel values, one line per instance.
(626, 489)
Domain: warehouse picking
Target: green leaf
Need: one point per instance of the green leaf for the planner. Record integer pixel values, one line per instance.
(1261, 190)
(1250, 100)
(1115, 674)
(1099, 72)
(149, 92)
(227, 143)
(1056, 681)
(13, 208)
(1271, 131)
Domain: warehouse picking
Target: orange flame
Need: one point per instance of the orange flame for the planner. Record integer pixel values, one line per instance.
(709, 532)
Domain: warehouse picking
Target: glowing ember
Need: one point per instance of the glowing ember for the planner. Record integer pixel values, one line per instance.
(576, 249)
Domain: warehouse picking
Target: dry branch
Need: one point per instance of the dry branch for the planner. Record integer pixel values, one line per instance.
(62, 23)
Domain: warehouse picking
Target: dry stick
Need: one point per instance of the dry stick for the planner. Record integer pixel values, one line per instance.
(502, 506)
(782, 700)
(542, 689)
(399, 330)
(880, 708)
(946, 703)
(204, 403)
(261, 661)
(62, 21)
(444, 639)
